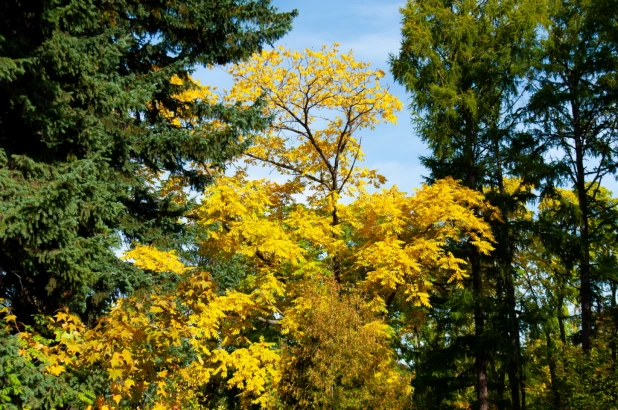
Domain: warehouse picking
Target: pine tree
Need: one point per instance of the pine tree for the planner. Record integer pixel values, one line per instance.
(463, 62)
(88, 97)
(573, 111)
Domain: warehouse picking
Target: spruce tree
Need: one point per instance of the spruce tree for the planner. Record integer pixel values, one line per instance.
(86, 100)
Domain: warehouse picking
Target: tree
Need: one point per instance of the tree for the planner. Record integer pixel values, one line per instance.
(87, 88)
(339, 354)
(328, 287)
(573, 110)
(549, 297)
(160, 349)
(463, 62)
(387, 244)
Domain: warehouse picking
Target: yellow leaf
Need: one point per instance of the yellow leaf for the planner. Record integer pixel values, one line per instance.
(115, 374)
(156, 309)
(55, 369)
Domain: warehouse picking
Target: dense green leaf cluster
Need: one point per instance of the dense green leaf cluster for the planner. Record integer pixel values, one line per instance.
(83, 131)
(518, 99)
(23, 385)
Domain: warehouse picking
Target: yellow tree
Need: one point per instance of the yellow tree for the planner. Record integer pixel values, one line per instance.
(160, 350)
(324, 276)
(320, 100)
(382, 248)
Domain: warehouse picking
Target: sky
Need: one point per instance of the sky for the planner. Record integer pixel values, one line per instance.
(371, 29)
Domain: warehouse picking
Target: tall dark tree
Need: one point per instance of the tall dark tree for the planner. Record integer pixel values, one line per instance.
(549, 294)
(463, 62)
(575, 110)
(83, 84)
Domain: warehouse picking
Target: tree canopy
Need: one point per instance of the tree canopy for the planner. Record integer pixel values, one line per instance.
(86, 135)
(145, 265)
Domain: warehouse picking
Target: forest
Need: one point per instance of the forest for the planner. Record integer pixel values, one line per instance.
(146, 264)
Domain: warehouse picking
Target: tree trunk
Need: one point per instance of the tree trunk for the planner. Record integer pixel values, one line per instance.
(555, 384)
(614, 287)
(506, 260)
(561, 317)
(523, 387)
(479, 330)
(336, 260)
(514, 366)
(584, 266)
(477, 275)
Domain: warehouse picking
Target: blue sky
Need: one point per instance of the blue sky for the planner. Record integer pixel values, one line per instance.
(371, 29)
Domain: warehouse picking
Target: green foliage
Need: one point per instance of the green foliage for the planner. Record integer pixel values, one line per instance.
(85, 137)
(103, 135)
(465, 63)
(23, 385)
(572, 110)
(470, 68)
(337, 360)
(462, 61)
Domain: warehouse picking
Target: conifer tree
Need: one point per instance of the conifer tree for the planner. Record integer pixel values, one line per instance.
(89, 128)
(463, 62)
(573, 111)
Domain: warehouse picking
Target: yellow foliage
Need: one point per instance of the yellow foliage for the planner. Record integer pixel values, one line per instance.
(319, 100)
(403, 237)
(150, 258)
(396, 239)
(182, 115)
(192, 90)
(139, 342)
(322, 274)
(338, 354)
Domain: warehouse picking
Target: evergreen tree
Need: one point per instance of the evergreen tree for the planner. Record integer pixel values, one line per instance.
(88, 128)
(573, 111)
(549, 295)
(463, 62)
